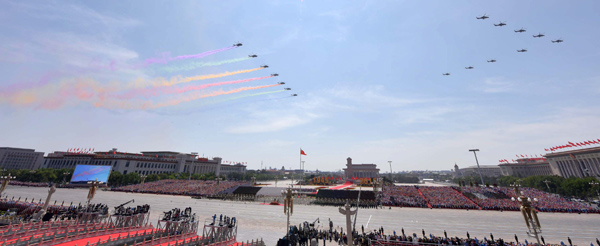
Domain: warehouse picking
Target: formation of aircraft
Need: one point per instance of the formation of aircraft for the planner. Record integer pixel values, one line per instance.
(483, 17)
(521, 30)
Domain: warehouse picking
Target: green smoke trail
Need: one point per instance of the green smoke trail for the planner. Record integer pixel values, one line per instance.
(194, 65)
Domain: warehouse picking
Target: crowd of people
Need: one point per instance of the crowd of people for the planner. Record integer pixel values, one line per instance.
(181, 187)
(446, 197)
(341, 202)
(486, 198)
(403, 196)
(28, 184)
(306, 234)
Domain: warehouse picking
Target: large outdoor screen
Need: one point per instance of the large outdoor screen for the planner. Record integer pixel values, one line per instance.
(85, 173)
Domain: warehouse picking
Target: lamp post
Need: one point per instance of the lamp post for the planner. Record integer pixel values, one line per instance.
(288, 206)
(595, 184)
(218, 180)
(547, 182)
(65, 174)
(529, 214)
(390, 162)
(477, 161)
(5, 180)
(93, 187)
(302, 176)
(143, 177)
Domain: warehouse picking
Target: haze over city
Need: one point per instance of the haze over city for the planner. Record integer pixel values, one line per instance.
(367, 74)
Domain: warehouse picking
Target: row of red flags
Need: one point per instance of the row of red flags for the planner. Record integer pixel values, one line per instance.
(573, 145)
(527, 159)
(80, 150)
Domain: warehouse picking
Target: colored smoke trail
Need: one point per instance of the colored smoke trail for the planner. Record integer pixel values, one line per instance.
(169, 59)
(124, 104)
(141, 83)
(157, 91)
(195, 65)
(252, 95)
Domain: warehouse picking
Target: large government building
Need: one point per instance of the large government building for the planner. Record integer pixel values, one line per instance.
(486, 171)
(526, 167)
(17, 158)
(576, 163)
(360, 170)
(145, 163)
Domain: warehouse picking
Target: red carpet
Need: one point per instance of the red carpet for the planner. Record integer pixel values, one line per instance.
(84, 241)
(347, 184)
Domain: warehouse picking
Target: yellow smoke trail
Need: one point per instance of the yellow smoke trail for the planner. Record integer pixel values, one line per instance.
(178, 79)
(123, 104)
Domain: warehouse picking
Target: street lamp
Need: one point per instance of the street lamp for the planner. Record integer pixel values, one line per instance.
(5, 180)
(143, 177)
(390, 162)
(478, 168)
(529, 214)
(93, 187)
(595, 184)
(547, 182)
(288, 206)
(218, 180)
(65, 174)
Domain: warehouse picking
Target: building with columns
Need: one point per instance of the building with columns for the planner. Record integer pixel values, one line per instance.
(360, 170)
(575, 163)
(18, 158)
(144, 163)
(526, 167)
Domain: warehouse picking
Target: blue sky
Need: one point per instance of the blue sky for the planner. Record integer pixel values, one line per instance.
(368, 75)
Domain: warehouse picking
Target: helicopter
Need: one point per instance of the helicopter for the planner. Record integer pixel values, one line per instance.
(539, 35)
(264, 66)
(492, 60)
(522, 50)
(521, 30)
(252, 56)
(557, 41)
(274, 74)
(500, 24)
(281, 83)
(469, 67)
(446, 74)
(287, 89)
(483, 17)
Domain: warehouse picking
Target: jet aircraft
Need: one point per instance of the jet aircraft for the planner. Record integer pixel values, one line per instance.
(539, 35)
(521, 30)
(500, 24)
(446, 74)
(469, 67)
(557, 41)
(492, 60)
(483, 17)
(522, 50)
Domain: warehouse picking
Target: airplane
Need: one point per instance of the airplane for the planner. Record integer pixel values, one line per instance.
(522, 50)
(521, 30)
(483, 17)
(470, 67)
(287, 89)
(539, 35)
(264, 66)
(294, 95)
(281, 83)
(557, 41)
(274, 74)
(252, 56)
(238, 44)
(500, 24)
(492, 60)
(446, 74)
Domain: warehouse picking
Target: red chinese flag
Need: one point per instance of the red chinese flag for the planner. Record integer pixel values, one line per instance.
(302, 152)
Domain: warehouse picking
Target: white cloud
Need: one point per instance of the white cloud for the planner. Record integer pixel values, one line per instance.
(497, 85)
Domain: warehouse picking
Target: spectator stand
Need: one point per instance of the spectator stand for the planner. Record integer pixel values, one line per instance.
(218, 231)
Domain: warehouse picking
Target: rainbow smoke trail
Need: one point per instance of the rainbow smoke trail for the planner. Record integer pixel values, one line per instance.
(166, 60)
(158, 91)
(124, 104)
(195, 65)
(140, 83)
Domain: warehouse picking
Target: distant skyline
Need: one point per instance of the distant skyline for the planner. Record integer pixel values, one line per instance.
(368, 75)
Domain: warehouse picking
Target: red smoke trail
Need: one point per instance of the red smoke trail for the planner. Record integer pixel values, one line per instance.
(157, 91)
